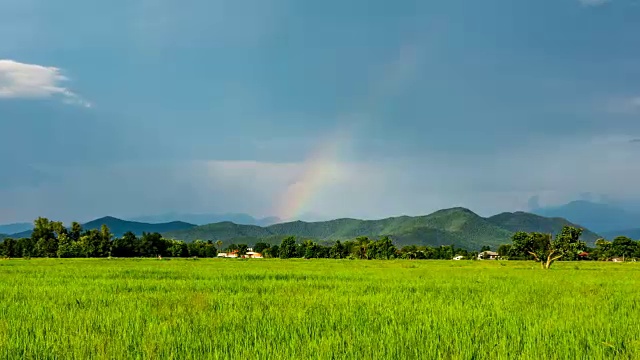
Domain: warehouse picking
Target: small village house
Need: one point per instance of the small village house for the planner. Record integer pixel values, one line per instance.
(488, 255)
(234, 254)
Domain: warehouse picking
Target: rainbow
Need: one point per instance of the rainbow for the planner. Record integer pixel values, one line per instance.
(319, 169)
(324, 163)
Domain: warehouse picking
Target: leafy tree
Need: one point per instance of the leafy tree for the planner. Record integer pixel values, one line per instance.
(67, 248)
(8, 248)
(623, 246)
(76, 231)
(545, 249)
(362, 242)
(177, 248)
(273, 251)
(242, 250)
(126, 246)
(381, 249)
(44, 238)
(152, 245)
(288, 248)
(105, 242)
(259, 247)
(504, 250)
(338, 251)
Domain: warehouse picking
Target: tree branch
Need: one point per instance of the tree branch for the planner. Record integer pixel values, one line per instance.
(534, 255)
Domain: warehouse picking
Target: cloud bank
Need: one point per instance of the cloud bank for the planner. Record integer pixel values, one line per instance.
(30, 81)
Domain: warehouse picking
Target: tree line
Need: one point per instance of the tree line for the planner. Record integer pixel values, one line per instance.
(53, 239)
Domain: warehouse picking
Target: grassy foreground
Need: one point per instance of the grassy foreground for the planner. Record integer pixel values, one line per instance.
(317, 309)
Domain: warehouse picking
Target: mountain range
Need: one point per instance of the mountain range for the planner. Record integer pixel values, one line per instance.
(15, 228)
(458, 226)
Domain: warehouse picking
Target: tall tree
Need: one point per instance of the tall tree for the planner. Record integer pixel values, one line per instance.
(547, 250)
(288, 248)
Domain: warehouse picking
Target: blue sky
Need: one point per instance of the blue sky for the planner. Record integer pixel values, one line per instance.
(149, 106)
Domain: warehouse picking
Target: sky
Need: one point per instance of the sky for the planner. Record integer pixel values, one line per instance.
(284, 108)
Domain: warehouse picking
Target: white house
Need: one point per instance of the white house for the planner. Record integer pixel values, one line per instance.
(459, 257)
(488, 255)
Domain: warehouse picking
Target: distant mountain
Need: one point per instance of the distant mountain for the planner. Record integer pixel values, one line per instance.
(203, 219)
(15, 228)
(458, 226)
(630, 233)
(522, 221)
(118, 227)
(601, 218)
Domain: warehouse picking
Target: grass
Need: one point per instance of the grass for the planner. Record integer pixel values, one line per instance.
(317, 309)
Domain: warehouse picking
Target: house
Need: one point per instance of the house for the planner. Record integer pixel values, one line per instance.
(459, 257)
(230, 254)
(617, 259)
(234, 254)
(488, 255)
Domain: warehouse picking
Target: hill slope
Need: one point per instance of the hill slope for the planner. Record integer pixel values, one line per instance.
(458, 226)
(522, 221)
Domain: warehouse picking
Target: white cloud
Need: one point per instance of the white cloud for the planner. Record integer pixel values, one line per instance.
(594, 2)
(19, 80)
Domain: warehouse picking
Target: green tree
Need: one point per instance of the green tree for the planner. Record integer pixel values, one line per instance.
(623, 246)
(126, 246)
(8, 248)
(76, 231)
(547, 250)
(288, 248)
(504, 250)
(67, 248)
(259, 247)
(362, 243)
(44, 238)
(337, 251)
(242, 250)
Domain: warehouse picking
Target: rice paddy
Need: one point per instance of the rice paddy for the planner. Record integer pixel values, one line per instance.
(317, 309)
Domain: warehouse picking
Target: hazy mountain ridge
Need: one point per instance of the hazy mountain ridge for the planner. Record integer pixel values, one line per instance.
(599, 217)
(204, 219)
(15, 228)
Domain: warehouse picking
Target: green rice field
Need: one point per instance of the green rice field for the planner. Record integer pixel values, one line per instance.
(317, 309)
